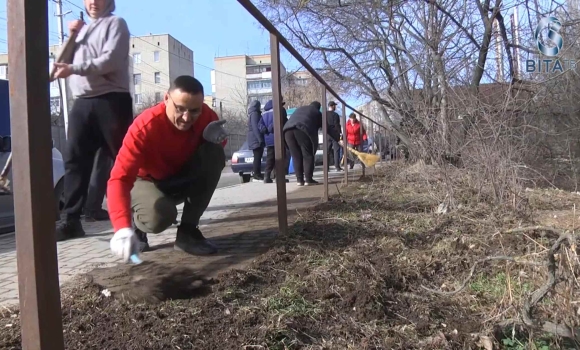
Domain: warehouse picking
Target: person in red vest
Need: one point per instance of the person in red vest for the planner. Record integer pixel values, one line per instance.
(353, 136)
(173, 153)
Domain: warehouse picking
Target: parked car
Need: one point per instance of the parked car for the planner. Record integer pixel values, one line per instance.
(242, 162)
(7, 199)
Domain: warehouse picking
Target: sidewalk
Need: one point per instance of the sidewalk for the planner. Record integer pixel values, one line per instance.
(240, 234)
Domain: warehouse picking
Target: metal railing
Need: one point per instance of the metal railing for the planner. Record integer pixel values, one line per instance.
(40, 307)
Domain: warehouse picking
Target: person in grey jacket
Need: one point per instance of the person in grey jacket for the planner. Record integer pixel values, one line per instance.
(102, 112)
(255, 138)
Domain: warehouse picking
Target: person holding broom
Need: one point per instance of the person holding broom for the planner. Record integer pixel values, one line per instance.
(353, 136)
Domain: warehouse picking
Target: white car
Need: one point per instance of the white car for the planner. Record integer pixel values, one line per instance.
(7, 200)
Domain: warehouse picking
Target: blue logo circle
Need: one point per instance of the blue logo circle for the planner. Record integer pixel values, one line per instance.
(553, 25)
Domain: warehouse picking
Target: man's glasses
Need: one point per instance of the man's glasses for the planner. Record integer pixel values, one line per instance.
(182, 110)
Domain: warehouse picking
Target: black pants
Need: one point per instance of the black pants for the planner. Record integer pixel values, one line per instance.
(98, 183)
(333, 152)
(270, 160)
(258, 153)
(302, 151)
(97, 122)
(351, 159)
(155, 203)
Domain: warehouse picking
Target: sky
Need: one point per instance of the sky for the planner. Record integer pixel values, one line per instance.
(210, 28)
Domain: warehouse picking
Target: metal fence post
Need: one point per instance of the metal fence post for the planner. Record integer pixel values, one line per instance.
(280, 163)
(361, 141)
(324, 142)
(345, 143)
(38, 287)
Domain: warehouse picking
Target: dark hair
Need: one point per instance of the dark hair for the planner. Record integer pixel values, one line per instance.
(188, 84)
(352, 115)
(316, 104)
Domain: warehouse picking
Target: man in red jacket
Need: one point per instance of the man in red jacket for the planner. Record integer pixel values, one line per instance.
(172, 153)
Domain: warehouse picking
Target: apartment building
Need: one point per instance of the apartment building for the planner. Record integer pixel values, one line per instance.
(237, 80)
(157, 61)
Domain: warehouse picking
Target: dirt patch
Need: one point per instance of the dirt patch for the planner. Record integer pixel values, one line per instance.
(151, 282)
(351, 274)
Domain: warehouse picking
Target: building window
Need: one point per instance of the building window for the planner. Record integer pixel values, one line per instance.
(259, 84)
(138, 99)
(136, 58)
(4, 71)
(137, 79)
(258, 69)
(262, 98)
(157, 78)
(156, 56)
(157, 97)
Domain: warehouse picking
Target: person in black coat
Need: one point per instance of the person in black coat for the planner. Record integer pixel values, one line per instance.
(333, 122)
(256, 138)
(301, 135)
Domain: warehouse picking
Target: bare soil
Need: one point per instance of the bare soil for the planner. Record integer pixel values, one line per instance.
(352, 274)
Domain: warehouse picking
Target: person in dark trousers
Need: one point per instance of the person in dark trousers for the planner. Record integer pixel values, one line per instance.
(333, 122)
(266, 126)
(98, 188)
(255, 138)
(172, 154)
(301, 135)
(103, 110)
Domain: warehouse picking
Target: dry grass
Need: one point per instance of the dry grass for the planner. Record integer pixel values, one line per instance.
(355, 273)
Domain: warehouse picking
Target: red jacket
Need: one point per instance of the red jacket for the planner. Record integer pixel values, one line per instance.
(353, 132)
(153, 148)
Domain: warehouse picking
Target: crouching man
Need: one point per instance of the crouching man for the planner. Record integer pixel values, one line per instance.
(172, 154)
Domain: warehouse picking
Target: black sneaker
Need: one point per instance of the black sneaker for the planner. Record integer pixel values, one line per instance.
(68, 229)
(258, 177)
(193, 242)
(338, 169)
(96, 215)
(143, 242)
(311, 182)
(268, 180)
(300, 182)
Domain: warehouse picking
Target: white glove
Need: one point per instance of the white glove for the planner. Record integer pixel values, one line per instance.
(124, 243)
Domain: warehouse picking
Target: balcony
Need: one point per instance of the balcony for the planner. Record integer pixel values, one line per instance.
(258, 76)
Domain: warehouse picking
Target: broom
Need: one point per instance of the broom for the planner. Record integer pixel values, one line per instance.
(367, 159)
(4, 182)
(66, 53)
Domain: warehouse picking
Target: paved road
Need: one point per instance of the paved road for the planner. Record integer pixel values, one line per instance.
(228, 178)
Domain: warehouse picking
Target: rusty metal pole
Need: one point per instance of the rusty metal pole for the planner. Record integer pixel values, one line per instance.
(361, 142)
(324, 142)
(280, 164)
(381, 144)
(38, 287)
(344, 143)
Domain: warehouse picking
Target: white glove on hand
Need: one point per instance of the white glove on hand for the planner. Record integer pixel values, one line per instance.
(124, 243)
(214, 132)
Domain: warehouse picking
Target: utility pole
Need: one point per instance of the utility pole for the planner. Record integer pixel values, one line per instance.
(64, 90)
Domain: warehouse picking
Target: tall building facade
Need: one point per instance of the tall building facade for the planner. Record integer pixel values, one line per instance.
(157, 61)
(237, 80)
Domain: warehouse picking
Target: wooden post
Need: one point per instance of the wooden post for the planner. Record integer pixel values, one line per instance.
(280, 164)
(38, 287)
(345, 143)
(324, 142)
